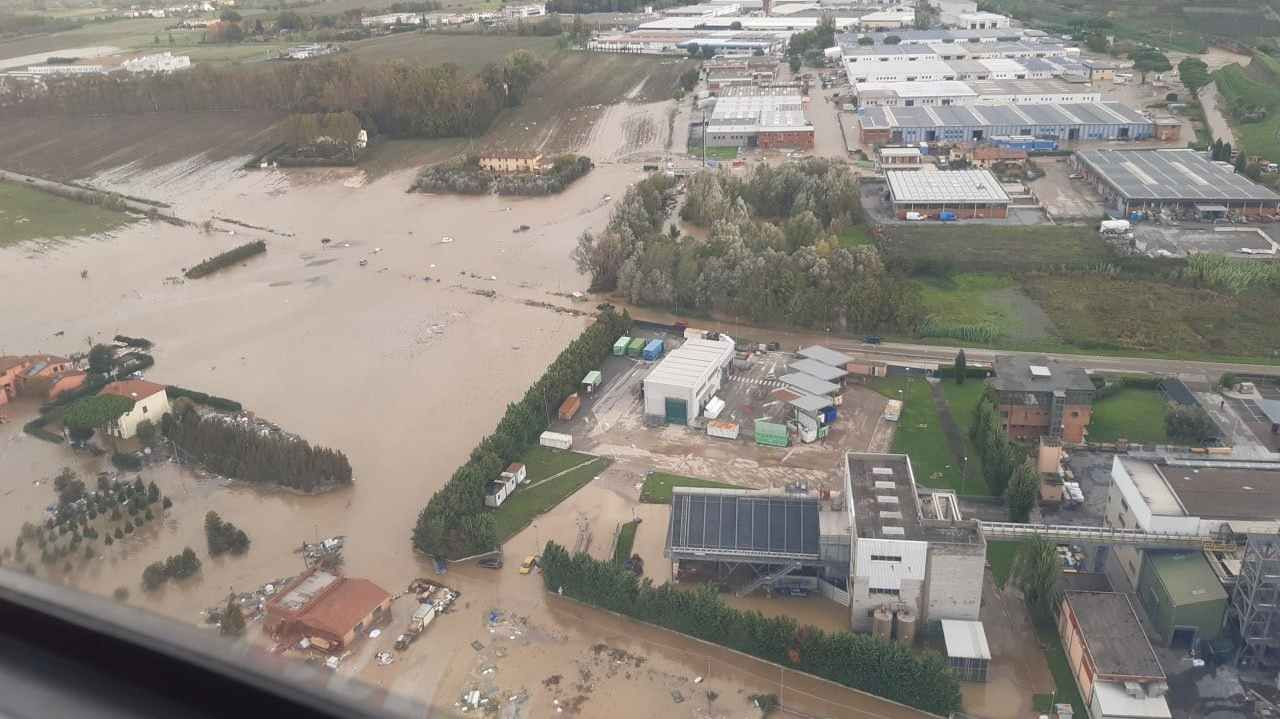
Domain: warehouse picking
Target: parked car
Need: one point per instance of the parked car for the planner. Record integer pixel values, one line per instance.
(528, 564)
(491, 562)
(871, 340)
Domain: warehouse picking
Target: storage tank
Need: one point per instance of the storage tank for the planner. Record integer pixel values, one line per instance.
(882, 623)
(906, 627)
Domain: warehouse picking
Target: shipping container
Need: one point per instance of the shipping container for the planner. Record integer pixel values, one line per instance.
(947, 216)
(723, 430)
(569, 408)
(771, 434)
(620, 347)
(591, 382)
(636, 347)
(555, 440)
(893, 410)
(829, 415)
(653, 350)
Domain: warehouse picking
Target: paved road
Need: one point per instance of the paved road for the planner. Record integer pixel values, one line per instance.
(1217, 121)
(946, 355)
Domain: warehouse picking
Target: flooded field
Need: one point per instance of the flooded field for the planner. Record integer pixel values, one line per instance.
(401, 364)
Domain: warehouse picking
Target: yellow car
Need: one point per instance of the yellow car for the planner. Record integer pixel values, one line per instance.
(528, 564)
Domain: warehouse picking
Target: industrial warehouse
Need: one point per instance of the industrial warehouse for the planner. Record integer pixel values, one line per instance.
(950, 195)
(747, 116)
(684, 382)
(1065, 122)
(1184, 183)
(905, 558)
(977, 92)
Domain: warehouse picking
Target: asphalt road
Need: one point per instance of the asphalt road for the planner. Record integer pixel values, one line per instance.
(1189, 369)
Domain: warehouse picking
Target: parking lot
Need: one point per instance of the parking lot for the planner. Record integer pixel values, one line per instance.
(1189, 239)
(1062, 197)
(611, 422)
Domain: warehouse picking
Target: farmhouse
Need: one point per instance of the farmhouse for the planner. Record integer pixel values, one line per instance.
(11, 368)
(963, 193)
(1062, 122)
(512, 161)
(1184, 182)
(150, 402)
(1115, 667)
(328, 611)
(1042, 397)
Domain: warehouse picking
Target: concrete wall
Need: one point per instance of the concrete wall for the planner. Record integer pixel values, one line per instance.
(862, 602)
(152, 408)
(954, 581)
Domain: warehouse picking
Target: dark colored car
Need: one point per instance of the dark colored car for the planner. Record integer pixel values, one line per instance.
(491, 562)
(871, 339)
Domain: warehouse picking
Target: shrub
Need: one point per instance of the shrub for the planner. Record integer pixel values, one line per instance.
(455, 522)
(859, 661)
(226, 259)
(222, 403)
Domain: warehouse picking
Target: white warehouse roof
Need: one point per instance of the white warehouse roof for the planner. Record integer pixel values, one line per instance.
(965, 639)
(945, 186)
(693, 363)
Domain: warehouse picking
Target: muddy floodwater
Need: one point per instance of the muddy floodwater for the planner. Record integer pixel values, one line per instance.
(395, 327)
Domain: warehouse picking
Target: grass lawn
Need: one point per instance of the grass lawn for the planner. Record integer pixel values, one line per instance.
(854, 236)
(540, 496)
(979, 308)
(958, 247)
(1256, 86)
(718, 153)
(1094, 312)
(470, 52)
(1132, 413)
(626, 539)
(963, 400)
(1000, 556)
(657, 486)
(27, 214)
(919, 435)
(1067, 691)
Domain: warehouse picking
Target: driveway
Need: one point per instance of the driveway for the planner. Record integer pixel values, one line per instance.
(1217, 121)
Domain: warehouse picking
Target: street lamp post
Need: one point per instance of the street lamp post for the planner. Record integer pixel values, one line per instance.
(964, 474)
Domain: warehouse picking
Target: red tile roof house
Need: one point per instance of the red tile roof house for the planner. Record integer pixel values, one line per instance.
(11, 368)
(150, 401)
(331, 612)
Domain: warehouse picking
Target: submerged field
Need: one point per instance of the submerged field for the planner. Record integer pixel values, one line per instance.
(27, 214)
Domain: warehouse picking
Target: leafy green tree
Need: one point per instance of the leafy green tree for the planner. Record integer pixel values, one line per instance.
(289, 20)
(1194, 73)
(1036, 571)
(1190, 424)
(1147, 59)
(90, 413)
(1097, 42)
(146, 432)
(232, 623)
(961, 367)
(153, 576)
(794, 62)
(1022, 493)
(229, 15)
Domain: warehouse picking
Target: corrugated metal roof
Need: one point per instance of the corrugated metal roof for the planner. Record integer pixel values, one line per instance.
(809, 384)
(830, 356)
(810, 403)
(965, 639)
(818, 369)
(692, 363)
(945, 186)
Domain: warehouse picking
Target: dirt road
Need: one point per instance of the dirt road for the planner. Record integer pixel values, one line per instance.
(1213, 113)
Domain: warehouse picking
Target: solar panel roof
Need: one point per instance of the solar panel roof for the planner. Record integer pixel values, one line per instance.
(743, 523)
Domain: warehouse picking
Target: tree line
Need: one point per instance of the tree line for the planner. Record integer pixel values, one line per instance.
(467, 177)
(238, 448)
(1006, 467)
(771, 254)
(177, 566)
(860, 661)
(400, 99)
(455, 521)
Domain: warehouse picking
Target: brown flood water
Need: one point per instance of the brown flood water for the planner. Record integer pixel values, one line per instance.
(402, 373)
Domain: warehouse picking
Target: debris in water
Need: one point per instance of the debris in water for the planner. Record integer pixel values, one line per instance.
(446, 240)
(325, 240)
(363, 262)
(384, 658)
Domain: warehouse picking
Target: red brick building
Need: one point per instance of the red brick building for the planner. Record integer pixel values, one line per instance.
(1042, 397)
(792, 139)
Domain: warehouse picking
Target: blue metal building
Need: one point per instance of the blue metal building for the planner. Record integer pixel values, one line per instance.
(977, 123)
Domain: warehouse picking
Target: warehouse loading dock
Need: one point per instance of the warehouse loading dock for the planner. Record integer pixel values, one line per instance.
(681, 384)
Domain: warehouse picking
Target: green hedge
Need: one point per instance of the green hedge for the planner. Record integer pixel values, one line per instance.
(860, 661)
(35, 428)
(949, 372)
(230, 257)
(455, 522)
(210, 400)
